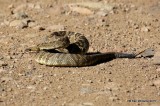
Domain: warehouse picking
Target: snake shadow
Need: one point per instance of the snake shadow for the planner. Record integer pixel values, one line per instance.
(109, 56)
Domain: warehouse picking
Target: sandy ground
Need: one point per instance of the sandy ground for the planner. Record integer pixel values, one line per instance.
(117, 25)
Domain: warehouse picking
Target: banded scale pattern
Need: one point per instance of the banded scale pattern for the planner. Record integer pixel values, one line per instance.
(77, 60)
(72, 41)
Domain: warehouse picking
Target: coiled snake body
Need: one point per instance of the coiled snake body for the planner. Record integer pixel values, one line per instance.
(65, 48)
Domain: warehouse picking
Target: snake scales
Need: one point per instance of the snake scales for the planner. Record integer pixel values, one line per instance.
(65, 48)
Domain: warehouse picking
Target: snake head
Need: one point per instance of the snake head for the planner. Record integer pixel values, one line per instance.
(32, 49)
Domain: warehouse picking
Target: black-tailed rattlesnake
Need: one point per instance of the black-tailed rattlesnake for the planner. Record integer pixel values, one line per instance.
(65, 48)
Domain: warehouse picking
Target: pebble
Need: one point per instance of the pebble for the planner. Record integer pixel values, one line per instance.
(102, 22)
(11, 6)
(23, 23)
(24, 6)
(102, 13)
(95, 5)
(30, 67)
(85, 90)
(2, 70)
(156, 58)
(30, 5)
(2, 63)
(5, 22)
(156, 82)
(1, 57)
(135, 26)
(112, 86)
(20, 15)
(113, 98)
(32, 24)
(87, 104)
(31, 35)
(45, 88)
(39, 27)
(145, 29)
(26, 21)
(20, 8)
(158, 69)
(56, 27)
(18, 24)
(9, 89)
(6, 79)
(81, 10)
(37, 6)
(31, 87)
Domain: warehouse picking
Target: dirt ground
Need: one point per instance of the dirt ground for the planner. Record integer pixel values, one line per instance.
(109, 25)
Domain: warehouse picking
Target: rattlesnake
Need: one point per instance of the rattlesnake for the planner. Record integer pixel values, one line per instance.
(66, 48)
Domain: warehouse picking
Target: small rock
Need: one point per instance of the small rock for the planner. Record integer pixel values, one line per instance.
(87, 104)
(156, 82)
(32, 24)
(1, 33)
(91, 49)
(151, 84)
(145, 29)
(109, 80)
(55, 27)
(156, 58)
(60, 87)
(45, 88)
(31, 35)
(90, 81)
(102, 13)
(30, 67)
(18, 24)
(102, 22)
(112, 86)
(5, 22)
(6, 79)
(37, 6)
(95, 5)
(135, 26)
(25, 6)
(27, 21)
(38, 27)
(2, 70)
(20, 15)
(30, 5)
(2, 63)
(113, 98)
(47, 16)
(11, 6)
(9, 89)
(81, 10)
(20, 8)
(158, 69)
(85, 90)
(1, 57)
(31, 87)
